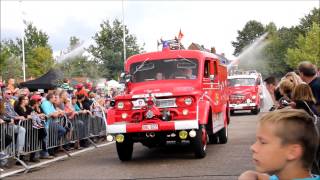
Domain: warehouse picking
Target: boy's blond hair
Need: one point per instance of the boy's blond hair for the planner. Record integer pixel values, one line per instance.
(303, 92)
(295, 126)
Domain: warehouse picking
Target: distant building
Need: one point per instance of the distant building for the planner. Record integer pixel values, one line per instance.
(221, 57)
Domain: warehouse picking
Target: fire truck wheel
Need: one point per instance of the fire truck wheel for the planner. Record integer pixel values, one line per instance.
(223, 135)
(125, 150)
(213, 139)
(255, 111)
(200, 142)
(231, 112)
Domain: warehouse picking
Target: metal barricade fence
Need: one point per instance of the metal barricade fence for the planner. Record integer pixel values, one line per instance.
(56, 133)
(32, 141)
(83, 126)
(80, 124)
(97, 127)
(9, 151)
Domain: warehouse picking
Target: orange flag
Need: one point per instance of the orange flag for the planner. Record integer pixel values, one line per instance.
(180, 36)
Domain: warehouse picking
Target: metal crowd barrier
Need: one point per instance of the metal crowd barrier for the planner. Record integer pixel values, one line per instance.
(82, 126)
(32, 143)
(9, 151)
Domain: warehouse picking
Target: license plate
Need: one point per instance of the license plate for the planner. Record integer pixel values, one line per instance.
(150, 127)
(239, 107)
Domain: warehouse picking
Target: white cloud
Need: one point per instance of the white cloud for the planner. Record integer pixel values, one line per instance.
(211, 23)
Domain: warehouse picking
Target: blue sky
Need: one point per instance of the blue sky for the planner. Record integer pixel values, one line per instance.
(211, 23)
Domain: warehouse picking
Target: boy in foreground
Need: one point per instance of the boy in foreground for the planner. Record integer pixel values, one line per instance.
(285, 147)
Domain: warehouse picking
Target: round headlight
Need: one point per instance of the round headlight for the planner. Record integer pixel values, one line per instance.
(124, 115)
(192, 133)
(188, 101)
(185, 112)
(254, 97)
(120, 105)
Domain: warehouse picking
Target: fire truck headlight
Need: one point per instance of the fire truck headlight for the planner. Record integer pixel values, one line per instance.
(124, 115)
(248, 101)
(188, 101)
(119, 138)
(120, 105)
(254, 97)
(110, 138)
(185, 112)
(183, 134)
(192, 133)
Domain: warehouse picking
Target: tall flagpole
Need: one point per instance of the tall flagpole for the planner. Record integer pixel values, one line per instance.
(124, 34)
(23, 34)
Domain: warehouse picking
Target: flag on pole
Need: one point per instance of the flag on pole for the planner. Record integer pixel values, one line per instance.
(180, 36)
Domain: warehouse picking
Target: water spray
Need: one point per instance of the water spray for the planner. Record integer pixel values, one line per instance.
(76, 52)
(259, 42)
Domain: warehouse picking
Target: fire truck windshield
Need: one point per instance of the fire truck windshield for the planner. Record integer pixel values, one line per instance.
(164, 69)
(242, 82)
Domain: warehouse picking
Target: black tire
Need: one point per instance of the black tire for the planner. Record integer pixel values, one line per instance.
(232, 112)
(213, 139)
(199, 144)
(125, 150)
(255, 111)
(223, 135)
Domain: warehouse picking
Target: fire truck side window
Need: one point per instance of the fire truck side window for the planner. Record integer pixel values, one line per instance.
(215, 68)
(206, 69)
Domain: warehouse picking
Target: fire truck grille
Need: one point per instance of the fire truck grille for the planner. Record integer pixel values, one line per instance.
(237, 97)
(165, 103)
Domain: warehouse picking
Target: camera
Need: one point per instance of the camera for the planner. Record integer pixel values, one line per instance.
(284, 102)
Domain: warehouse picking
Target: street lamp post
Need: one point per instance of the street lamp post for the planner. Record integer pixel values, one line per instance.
(23, 34)
(23, 59)
(124, 34)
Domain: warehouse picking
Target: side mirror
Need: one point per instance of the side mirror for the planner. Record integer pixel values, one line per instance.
(212, 77)
(112, 103)
(125, 77)
(258, 82)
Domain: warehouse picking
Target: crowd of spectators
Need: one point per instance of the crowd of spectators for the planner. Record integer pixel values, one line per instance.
(297, 89)
(43, 109)
(291, 130)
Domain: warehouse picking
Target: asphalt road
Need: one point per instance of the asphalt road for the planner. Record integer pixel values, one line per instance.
(223, 162)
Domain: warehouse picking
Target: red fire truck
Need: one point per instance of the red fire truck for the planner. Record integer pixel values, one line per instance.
(170, 96)
(246, 92)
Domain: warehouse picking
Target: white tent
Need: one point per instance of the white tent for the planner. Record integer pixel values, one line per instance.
(113, 84)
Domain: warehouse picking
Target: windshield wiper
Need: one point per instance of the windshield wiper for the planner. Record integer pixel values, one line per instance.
(183, 58)
(141, 65)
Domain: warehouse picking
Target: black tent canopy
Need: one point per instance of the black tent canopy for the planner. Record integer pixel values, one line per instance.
(52, 79)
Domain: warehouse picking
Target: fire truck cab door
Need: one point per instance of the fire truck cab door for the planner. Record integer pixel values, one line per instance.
(211, 83)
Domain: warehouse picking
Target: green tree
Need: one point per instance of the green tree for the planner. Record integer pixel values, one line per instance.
(308, 48)
(108, 51)
(38, 53)
(73, 43)
(39, 61)
(247, 35)
(10, 65)
(33, 38)
(306, 22)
